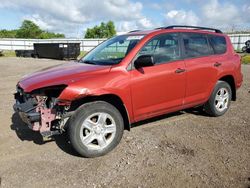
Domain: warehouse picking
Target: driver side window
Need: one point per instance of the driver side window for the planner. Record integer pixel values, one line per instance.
(164, 48)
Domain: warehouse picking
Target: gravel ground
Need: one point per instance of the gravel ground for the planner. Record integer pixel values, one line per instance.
(183, 149)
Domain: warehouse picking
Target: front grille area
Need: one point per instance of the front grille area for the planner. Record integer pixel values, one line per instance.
(20, 95)
(24, 102)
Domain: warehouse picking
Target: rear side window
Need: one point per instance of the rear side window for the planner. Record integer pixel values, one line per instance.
(196, 45)
(218, 43)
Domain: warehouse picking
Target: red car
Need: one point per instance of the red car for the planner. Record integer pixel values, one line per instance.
(127, 79)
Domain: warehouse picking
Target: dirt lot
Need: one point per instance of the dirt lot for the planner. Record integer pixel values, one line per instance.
(184, 149)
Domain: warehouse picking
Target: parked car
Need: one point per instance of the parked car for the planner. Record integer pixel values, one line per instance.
(247, 47)
(129, 78)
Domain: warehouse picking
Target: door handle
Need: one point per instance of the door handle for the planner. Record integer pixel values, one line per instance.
(179, 70)
(217, 64)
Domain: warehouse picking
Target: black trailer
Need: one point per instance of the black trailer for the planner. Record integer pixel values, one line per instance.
(24, 53)
(57, 50)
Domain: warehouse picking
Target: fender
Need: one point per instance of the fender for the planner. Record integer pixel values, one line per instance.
(115, 83)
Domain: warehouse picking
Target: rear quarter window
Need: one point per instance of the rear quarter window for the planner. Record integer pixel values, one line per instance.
(218, 43)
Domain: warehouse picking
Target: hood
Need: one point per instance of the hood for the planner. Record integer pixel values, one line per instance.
(63, 74)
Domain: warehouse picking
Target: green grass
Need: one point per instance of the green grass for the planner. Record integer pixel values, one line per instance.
(238, 51)
(8, 53)
(82, 54)
(11, 53)
(245, 59)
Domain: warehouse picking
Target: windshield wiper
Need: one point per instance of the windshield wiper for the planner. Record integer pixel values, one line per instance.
(89, 62)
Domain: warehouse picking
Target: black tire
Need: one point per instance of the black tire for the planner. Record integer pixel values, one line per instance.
(244, 49)
(210, 106)
(35, 56)
(247, 43)
(81, 114)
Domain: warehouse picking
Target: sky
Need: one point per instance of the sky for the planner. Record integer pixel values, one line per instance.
(73, 17)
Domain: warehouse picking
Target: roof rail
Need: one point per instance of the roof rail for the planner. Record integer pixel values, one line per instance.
(193, 27)
(160, 28)
(133, 31)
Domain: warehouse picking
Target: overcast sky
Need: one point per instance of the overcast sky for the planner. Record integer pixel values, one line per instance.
(72, 17)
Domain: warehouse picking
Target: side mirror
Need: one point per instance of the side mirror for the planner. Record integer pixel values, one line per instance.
(144, 61)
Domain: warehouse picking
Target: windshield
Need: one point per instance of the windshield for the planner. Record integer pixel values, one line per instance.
(112, 51)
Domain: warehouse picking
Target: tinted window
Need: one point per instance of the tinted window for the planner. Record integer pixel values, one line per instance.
(218, 43)
(163, 48)
(196, 45)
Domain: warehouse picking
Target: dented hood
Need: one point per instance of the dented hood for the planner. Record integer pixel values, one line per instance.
(63, 74)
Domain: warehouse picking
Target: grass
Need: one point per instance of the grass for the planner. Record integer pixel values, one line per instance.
(245, 59)
(11, 53)
(82, 53)
(238, 51)
(8, 53)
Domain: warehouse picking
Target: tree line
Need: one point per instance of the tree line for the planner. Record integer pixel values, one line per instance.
(30, 30)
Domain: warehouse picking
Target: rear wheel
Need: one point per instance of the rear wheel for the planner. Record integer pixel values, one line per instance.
(220, 99)
(95, 129)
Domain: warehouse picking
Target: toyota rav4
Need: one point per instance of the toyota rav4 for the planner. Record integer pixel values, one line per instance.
(129, 78)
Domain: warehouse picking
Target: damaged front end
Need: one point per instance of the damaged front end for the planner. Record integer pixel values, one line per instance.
(42, 111)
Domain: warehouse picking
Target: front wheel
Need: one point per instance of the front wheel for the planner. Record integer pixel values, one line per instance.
(95, 129)
(219, 100)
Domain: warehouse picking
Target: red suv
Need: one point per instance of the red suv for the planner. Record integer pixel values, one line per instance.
(129, 78)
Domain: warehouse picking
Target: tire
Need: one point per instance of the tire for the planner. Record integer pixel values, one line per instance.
(247, 43)
(95, 129)
(220, 99)
(35, 56)
(244, 49)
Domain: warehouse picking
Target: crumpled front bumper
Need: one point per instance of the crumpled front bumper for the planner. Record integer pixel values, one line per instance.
(27, 117)
(26, 106)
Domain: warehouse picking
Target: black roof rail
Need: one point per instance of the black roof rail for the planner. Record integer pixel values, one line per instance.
(134, 31)
(160, 28)
(193, 27)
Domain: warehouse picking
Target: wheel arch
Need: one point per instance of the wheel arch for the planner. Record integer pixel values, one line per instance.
(109, 98)
(230, 80)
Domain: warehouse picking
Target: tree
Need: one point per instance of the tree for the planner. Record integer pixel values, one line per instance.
(29, 30)
(7, 33)
(49, 35)
(111, 28)
(104, 30)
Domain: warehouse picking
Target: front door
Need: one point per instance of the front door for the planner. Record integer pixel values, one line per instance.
(159, 88)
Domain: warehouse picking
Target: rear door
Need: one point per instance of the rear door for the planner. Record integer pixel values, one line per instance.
(200, 64)
(160, 88)
(219, 45)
